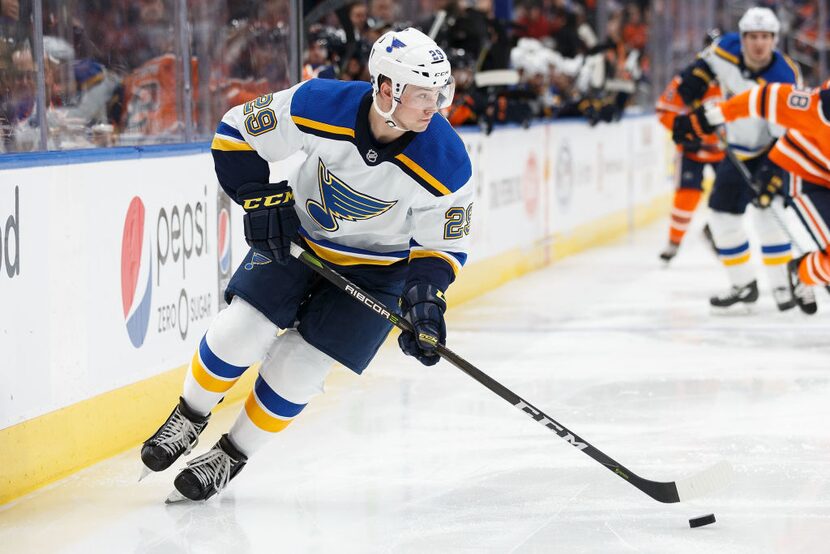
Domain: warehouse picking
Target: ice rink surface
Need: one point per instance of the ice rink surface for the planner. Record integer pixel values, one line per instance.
(412, 459)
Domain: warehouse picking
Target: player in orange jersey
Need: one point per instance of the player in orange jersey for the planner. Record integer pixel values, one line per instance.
(804, 151)
(691, 159)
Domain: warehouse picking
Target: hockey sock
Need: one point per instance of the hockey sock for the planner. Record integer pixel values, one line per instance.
(814, 269)
(292, 373)
(733, 247)
(776, 257)
(685, 203)
(776, 248)
(238, 337)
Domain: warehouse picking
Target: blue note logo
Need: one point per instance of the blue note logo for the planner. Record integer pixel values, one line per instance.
(339, 201)
(395, 44)
(256, 259)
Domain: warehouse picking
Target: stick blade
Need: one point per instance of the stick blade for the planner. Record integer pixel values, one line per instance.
(706, 482)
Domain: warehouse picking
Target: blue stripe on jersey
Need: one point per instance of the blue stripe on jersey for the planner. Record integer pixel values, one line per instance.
(460, 256)
(733, 251)
(217, 366)
(329, 101)
(441, 153)
(275, 403)
(225, 129)
(776, 248)
(334, 246)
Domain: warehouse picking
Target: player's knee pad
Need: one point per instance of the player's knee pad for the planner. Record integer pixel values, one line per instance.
(240, 335)
(294, 369)
(727, 229)
(769, 229)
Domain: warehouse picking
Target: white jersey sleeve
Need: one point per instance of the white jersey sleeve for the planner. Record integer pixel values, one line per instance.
(263, 125)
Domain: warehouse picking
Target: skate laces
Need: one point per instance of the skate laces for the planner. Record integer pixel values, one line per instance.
(180, 432)
(212, 468)
(804, 292)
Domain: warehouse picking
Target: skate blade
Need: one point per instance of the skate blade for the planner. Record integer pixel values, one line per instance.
(145, 471)
(175, 497)
(737, 310)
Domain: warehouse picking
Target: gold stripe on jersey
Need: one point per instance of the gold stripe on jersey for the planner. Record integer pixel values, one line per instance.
(343, 258)
(794, 67)
(454, 264)
(423, 174)
(320, 126)
(229, 145)
(726, 55)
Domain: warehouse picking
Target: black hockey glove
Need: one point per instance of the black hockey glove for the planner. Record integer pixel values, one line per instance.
(688, 130)
(768, 181)
(271, 223)
(423, 306)
(694, 82)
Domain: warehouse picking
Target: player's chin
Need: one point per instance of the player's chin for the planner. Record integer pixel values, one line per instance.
(421, 124)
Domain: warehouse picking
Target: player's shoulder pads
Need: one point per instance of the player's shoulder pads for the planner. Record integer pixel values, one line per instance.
(437, 159)
(782, 70)
(328, 108)
(729, 48)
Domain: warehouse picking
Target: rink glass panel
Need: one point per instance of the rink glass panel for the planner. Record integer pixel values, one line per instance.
(18, 71)
(241, 51)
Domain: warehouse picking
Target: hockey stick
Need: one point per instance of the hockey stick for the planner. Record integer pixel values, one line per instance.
(697, 485)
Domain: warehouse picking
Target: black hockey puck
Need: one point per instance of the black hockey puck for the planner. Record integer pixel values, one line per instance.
(702, 520)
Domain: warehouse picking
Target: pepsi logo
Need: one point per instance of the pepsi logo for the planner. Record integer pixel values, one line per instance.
(136, 273)
(223, 232)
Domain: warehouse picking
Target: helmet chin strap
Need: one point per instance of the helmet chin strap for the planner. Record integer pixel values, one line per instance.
(387, 116)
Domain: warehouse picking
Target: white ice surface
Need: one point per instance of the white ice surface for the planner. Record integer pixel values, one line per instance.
(414, 459)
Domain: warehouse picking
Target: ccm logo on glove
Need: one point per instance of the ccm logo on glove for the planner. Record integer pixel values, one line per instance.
(267, 201)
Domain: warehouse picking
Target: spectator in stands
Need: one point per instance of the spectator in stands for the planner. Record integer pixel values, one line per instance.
(383, 11)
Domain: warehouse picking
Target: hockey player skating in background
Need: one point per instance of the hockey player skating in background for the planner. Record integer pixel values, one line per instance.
(804, 151)
(739, 61)
(692, 158)
(382, 196)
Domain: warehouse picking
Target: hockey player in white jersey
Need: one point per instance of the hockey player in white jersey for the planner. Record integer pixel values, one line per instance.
(739, 61)
(382, 196)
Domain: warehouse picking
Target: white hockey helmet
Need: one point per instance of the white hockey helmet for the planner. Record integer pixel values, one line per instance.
(409, 58)
(761, 20)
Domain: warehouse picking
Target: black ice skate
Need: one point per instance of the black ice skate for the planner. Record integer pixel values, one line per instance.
(784, 299)
(209, 473)
(736, 296)
(178, 435)
(803, 294)
(669, 252)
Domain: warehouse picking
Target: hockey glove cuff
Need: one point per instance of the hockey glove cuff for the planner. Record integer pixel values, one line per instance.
(769, 180)
(271, 223)
(423, 306)
(690, 129)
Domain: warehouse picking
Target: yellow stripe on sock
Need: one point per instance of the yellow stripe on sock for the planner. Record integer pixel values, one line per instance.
(261, 419)
(777, 260)
(736, 261)
(205, 379)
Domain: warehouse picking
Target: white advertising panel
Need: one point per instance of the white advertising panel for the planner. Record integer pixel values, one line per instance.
(111, 271)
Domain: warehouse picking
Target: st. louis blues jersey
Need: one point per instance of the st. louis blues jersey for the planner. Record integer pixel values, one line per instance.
(749, 137)
(360, 202)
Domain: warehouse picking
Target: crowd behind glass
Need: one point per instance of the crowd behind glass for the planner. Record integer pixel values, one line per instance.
(111, 72)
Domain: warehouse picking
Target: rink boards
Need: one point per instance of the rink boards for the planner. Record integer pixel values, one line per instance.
(112, 265)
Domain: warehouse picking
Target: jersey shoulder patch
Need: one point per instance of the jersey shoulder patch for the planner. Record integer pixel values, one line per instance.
(729, 48)
(437, 159)
(328, 108)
